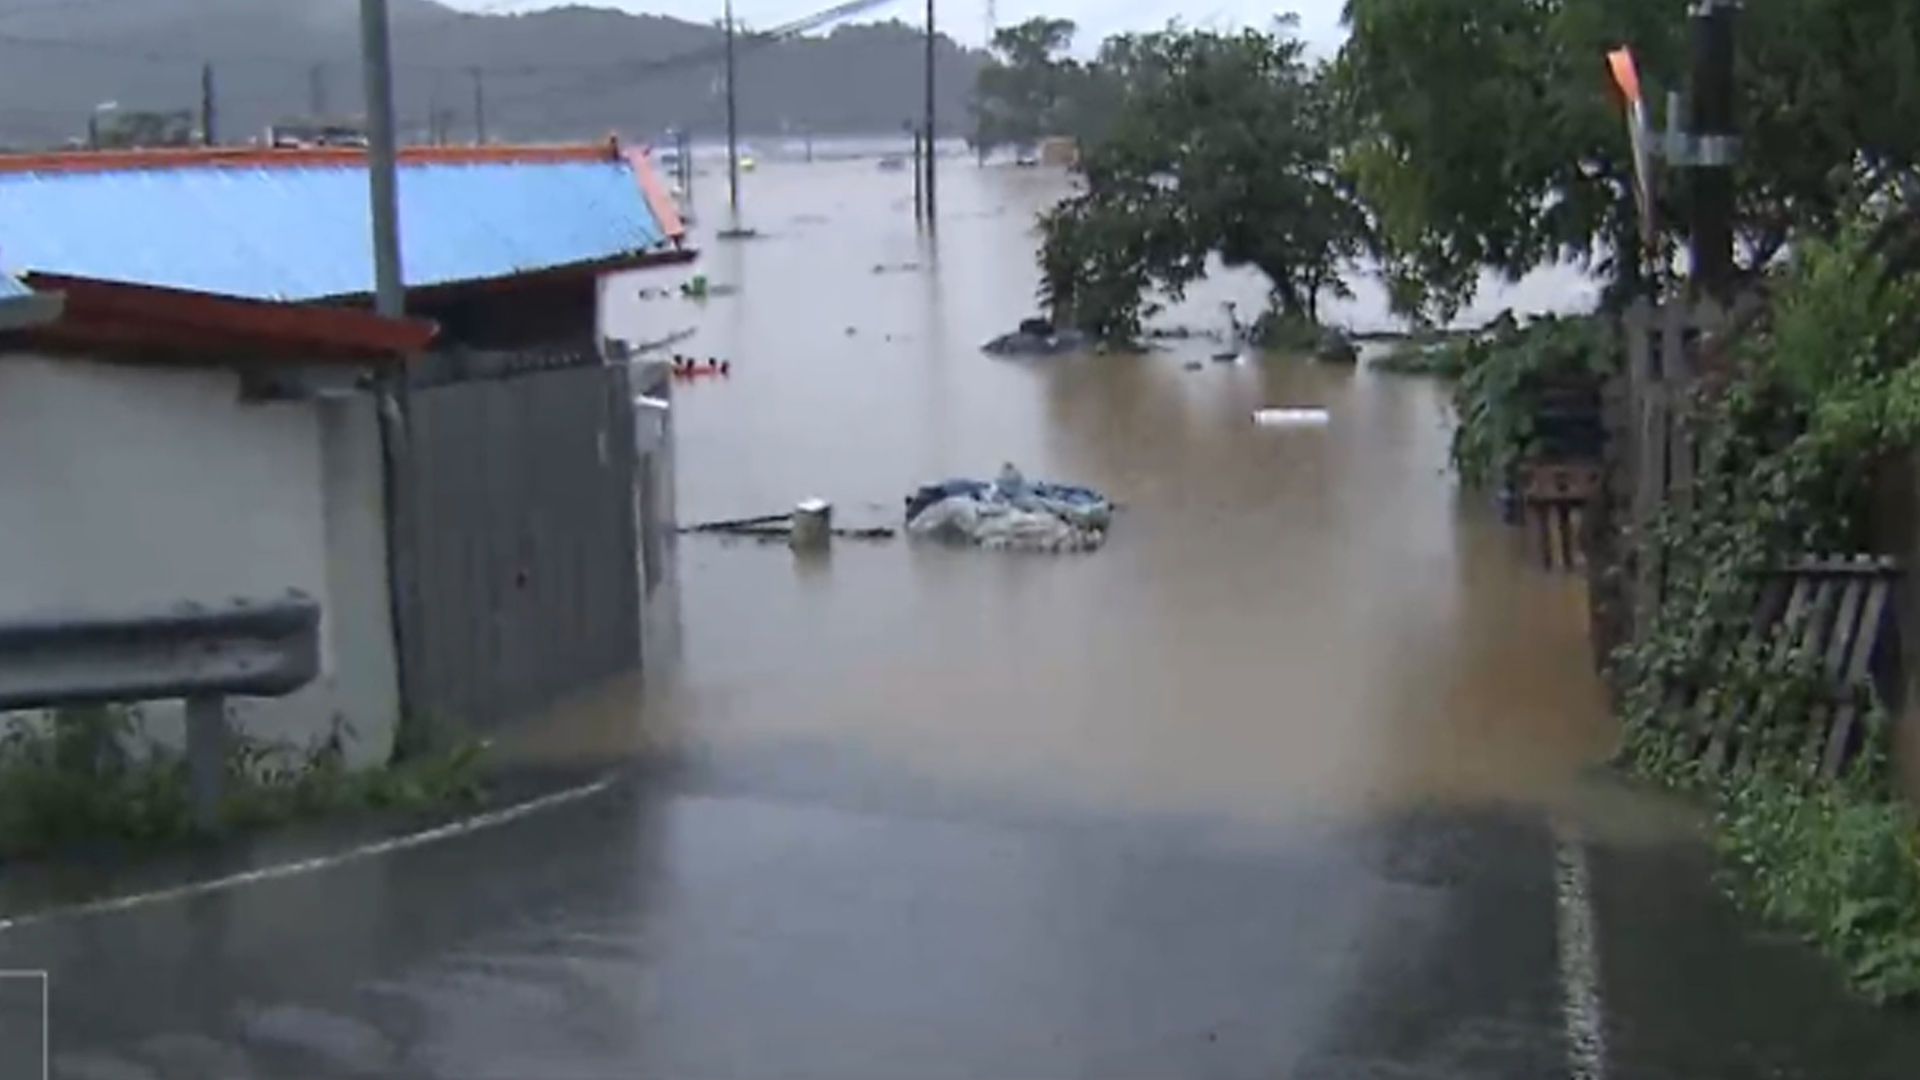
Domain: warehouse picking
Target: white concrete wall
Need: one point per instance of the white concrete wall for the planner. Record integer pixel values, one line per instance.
(131, 487)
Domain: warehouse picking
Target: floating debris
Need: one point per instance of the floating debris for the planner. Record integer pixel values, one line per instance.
(667, 342)
(1291, 417)
(1037, 337)
(773, 528)
(1011, 514)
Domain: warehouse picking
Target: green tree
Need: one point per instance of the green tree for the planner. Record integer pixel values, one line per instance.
(1017, 99)
(1486, 135)
(1218, 144)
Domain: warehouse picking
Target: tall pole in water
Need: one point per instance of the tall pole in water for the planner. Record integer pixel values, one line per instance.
(382, 158)
(209, 112)
(479, 106)
(931, 216)
(919, 176)
(733, 128)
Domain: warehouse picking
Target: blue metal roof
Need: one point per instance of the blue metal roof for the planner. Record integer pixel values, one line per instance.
(300, 232)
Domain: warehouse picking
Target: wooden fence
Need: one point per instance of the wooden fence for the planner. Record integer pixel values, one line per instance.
(1831, 612)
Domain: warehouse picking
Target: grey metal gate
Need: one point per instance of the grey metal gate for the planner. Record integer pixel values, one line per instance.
(521, 579)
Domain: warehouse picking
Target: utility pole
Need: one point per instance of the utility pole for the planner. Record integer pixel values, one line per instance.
(931, 214)
(208, 116)
(919, 176)
(376, 57)
(685, 145)
(479, 106)
(1715, 145)
(317, 91)
(733, 128)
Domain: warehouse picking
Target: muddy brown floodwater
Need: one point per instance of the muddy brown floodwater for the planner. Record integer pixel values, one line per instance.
(1284, 622)
(1255, 791)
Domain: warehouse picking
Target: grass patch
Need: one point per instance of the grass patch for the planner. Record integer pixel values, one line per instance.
(89, 776)
(1839, 865)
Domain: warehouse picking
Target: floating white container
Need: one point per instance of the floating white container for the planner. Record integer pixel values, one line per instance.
(1291, 417)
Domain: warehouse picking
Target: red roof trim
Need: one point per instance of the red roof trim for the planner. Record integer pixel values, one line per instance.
(659, 200)
(253, 157)
(328, 332)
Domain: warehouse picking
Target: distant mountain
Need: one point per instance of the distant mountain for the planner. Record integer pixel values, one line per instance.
(575, 72)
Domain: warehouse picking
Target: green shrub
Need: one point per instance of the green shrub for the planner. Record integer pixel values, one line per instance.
(89, 776)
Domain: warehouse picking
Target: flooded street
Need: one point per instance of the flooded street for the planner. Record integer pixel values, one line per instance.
(1294, 779)
(1285, 622)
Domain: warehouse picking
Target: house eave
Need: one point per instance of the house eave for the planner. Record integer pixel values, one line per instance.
(27, 312)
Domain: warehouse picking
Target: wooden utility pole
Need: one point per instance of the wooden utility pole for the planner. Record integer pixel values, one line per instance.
(1714, 146)
(479, 106)
(208, 115)
(931, 201)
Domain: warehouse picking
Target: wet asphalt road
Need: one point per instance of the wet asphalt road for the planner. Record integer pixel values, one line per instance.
(1280, 784)
(750, 924)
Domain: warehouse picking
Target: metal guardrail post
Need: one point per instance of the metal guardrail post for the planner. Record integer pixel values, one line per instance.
(207, 757)
(197, 653)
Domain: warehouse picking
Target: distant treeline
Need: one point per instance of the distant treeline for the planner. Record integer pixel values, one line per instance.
(573, 72)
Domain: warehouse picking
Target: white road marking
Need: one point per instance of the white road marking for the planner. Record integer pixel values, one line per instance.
(1579, 960)
(463, 827)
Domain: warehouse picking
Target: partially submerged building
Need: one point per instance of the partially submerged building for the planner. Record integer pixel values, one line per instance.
(207, 407)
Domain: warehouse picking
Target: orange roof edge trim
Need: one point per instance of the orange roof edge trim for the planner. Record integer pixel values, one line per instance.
(315, 323)
(659, 200)
(255, 157)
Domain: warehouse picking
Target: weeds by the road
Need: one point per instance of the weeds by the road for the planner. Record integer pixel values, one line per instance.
(1841, 864)
(1791, 442)
(87, 776)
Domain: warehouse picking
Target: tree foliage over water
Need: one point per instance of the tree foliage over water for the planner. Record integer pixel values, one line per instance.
(1447, 139)
(1486, 134)
(1219, 145)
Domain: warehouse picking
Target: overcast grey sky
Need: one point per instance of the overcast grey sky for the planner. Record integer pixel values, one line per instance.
(967, 19)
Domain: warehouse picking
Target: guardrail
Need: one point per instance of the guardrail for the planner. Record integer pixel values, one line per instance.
(199, 653)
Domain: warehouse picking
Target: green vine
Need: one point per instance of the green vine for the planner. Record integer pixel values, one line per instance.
(1791, 438)
(1501, 373)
